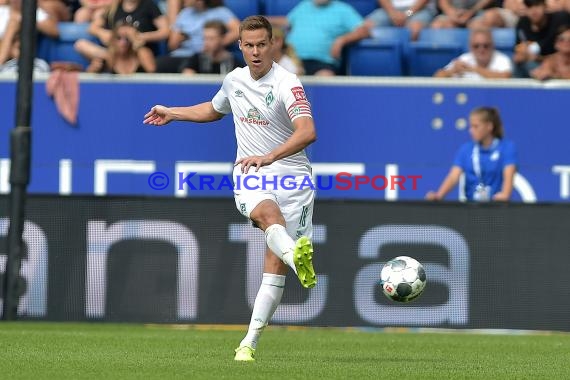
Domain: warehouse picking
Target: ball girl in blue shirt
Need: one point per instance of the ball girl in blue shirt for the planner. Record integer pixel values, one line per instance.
(488, 161)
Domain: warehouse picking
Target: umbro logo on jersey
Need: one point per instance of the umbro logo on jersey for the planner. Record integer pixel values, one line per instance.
(238, 93)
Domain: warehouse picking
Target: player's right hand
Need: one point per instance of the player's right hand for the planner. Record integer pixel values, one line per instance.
(158, 115)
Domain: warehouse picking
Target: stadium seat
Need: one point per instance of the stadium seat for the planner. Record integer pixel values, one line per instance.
(382, 55)
(505, 40)
(43, 48)
(279, 7)
(435, 48)
(62, 48)
(364, 7)
(243, 8)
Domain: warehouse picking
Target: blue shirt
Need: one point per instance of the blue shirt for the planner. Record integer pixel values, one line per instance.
(493, 161)
(191, 22)
(314, 28)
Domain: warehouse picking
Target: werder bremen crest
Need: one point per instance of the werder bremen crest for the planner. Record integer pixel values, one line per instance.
(269, 98)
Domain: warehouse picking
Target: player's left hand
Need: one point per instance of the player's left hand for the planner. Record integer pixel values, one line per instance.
(253, 161)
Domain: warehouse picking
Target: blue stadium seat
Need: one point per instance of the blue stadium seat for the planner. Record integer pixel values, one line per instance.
(435, 48)
(364, 7)
(243, 8)
(279, 7)
(62, 48)
(43, 48)
(505, 40)
(382, 55)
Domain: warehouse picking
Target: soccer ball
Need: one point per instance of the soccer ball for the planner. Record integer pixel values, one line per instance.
(403, 279)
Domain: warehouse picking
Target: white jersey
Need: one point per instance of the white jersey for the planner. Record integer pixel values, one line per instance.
(263, 112)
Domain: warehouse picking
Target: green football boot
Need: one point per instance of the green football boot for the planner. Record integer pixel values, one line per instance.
(244, 354)
(303, 259)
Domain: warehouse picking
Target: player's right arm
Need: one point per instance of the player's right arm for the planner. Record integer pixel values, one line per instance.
(201, 113)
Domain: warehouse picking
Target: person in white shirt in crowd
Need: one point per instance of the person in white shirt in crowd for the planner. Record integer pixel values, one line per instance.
(482, 61)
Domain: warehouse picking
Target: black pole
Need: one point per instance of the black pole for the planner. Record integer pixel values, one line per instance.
(26, 63)
(20, 149)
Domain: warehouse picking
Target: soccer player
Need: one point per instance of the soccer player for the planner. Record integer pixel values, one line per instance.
(273, 126)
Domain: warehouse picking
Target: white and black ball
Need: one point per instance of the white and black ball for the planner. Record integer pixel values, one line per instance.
(403, 279)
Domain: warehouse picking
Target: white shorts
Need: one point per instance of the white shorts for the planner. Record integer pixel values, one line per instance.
(292, 194)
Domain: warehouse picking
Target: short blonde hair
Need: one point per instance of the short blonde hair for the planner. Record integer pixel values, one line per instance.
(255, 23)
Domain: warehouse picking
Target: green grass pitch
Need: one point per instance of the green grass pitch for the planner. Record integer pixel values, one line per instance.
(32, 350)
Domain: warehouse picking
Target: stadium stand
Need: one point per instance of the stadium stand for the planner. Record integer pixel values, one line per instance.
(279, 7)
(505, 40)
(435, 48)
(243, 8)
(383, 55)
(389, 52)
(62, 49)
(364, 7)
(282, 7)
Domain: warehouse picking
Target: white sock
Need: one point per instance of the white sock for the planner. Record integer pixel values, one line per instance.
(266, 302)
(279, 241)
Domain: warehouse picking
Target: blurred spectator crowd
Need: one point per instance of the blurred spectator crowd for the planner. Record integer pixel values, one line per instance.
(475, 39)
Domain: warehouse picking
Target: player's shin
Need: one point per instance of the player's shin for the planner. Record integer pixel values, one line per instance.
(266, 302)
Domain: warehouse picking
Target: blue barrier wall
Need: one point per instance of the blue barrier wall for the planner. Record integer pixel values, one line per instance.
(373, 126)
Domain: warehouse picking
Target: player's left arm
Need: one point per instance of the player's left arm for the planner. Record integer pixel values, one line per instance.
(303, 135)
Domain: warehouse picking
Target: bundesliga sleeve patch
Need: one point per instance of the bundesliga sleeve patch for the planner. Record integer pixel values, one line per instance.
(299, 108)
(299, 93)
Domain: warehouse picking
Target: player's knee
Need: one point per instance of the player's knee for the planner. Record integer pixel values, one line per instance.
(266, 214)
(266, 221)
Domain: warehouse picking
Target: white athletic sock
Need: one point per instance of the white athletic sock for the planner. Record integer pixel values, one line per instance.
(279, 241)
(267, 300)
